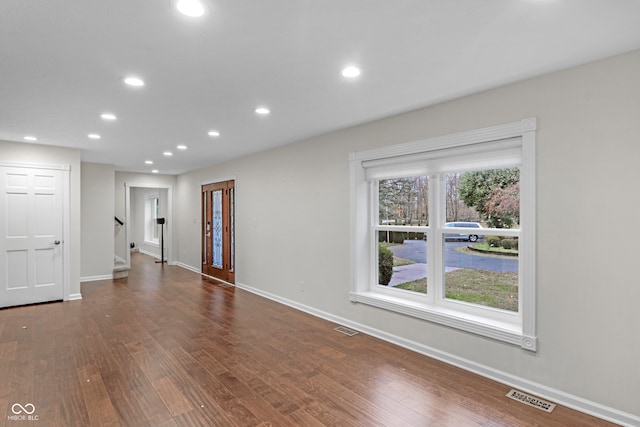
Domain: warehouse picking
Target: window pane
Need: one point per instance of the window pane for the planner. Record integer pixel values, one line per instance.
(490, 197)
(403, 201)
(484, 276)
(402, 260)
(154, 214)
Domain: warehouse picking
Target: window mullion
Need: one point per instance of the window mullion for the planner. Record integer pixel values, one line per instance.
(373, 233)
(434, 243)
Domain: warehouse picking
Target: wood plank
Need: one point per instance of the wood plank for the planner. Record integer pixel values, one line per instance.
(172, 396)
(99, 407)
(8, 351)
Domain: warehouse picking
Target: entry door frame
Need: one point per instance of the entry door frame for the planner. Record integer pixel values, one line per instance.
(202, 220)
(168, 240)
(66, 219)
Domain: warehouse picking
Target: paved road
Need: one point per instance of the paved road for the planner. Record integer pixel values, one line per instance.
(416, 251)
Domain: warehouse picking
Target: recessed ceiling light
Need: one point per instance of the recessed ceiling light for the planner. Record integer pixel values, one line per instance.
(148, 162)
(108, 116)
(181, 147)
(263, 111)
(192, 8)
(133, 81)
(168, 153)
(30, 138)
(351, 71)
(213, 133)
(154, 171)
(94, 136)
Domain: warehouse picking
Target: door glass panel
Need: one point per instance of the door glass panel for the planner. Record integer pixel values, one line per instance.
(217, 228)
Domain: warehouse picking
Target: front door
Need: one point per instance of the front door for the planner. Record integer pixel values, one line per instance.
(218, 230)
(31, 217)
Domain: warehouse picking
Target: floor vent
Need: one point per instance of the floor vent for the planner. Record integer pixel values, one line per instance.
(346, 331)
(531, 401)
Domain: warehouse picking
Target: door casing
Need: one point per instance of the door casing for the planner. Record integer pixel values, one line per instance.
(168, 232)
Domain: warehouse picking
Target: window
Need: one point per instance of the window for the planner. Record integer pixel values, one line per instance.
(151, 213)
(443, 229)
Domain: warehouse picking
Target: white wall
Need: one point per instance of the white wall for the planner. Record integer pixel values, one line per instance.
(98, 229)
(34, 154)
(293, 225)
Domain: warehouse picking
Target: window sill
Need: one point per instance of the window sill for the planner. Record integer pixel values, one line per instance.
(501, 331)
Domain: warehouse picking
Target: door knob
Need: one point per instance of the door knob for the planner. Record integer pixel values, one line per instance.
(56, 242)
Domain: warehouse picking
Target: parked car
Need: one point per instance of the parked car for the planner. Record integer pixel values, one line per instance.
(468, 237)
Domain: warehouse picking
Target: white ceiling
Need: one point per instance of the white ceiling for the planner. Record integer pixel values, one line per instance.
(62, 63)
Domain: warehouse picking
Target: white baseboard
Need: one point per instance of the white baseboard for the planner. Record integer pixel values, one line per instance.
(74, 297)
(96, 278)
(557, 396)
(196, 270)
(188, 267)
(142, 251)
(157, 256)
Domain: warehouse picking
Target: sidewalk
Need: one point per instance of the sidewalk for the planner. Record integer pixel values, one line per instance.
(408, 273)
(411, 272)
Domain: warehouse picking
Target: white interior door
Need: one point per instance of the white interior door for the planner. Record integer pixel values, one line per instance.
(31, 218)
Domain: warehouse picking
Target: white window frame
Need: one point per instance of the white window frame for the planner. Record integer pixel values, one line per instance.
(150, 216)
(514, 328)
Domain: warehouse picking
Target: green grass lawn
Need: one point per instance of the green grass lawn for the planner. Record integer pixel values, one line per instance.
(489, 288)
(489, 250)
(399, 262)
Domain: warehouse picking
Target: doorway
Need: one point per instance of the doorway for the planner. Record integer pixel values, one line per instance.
(139, 231)
(31, 235)
(218, 230)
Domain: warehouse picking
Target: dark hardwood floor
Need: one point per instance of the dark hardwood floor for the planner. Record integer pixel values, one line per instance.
(166, 347)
